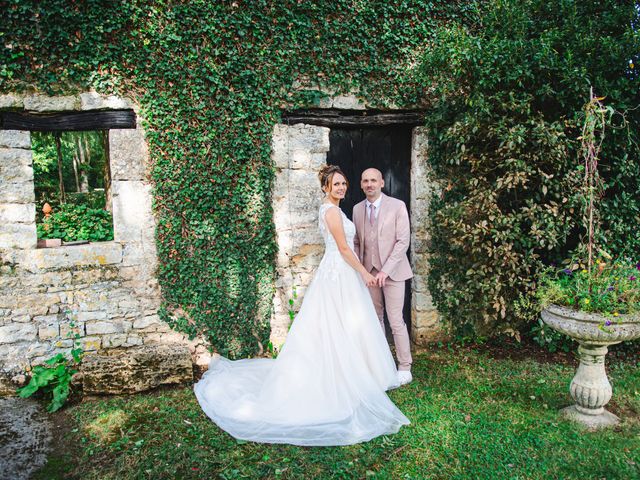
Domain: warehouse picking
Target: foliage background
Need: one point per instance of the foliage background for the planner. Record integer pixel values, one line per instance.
(507, 79)
(504, 144)
(211, 79)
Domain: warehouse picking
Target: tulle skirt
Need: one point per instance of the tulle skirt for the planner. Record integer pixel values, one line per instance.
(327, 386)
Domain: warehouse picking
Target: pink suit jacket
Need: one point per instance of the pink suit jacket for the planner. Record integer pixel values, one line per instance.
(394, 235)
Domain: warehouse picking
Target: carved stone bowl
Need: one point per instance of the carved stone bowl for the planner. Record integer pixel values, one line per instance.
(590, 387)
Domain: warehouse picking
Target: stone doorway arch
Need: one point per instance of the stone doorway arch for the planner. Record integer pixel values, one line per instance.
(298, 151)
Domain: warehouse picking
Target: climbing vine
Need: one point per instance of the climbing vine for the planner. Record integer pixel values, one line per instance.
(504, 82)
(211, 79)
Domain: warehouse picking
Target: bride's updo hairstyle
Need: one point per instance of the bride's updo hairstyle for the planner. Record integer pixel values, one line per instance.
(325, 175)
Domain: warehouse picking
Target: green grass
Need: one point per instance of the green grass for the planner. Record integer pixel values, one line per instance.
(473, 417)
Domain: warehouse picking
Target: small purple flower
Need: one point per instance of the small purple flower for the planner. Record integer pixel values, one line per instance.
(632, 278)
(607, 323)
(610, 288)
(567, 271)
(638, 265)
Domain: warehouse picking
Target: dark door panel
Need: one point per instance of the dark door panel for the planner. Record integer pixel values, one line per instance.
(386, 148)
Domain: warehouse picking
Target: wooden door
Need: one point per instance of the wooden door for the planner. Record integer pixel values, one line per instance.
(386, 148)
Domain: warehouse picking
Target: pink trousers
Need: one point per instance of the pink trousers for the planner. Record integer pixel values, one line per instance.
(391, 298)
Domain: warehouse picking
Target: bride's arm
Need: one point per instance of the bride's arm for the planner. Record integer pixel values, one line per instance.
(334, 223)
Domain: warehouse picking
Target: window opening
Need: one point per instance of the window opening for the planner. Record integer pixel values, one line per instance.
(72, 187)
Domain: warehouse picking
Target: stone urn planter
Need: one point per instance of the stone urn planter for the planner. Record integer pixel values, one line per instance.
(590, 387)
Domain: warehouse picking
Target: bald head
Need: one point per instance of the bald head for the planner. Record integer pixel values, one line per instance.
(371, 183)
(369, 172)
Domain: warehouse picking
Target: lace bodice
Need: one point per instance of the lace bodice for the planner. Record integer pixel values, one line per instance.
(349, 230)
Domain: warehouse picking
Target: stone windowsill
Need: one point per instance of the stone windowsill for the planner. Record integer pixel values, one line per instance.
(86, 255)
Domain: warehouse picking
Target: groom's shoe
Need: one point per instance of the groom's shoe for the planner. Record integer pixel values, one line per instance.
(404, 377)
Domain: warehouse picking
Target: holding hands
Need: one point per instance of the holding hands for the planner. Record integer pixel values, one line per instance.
(369, 280)
(378, 281)
(381, 279)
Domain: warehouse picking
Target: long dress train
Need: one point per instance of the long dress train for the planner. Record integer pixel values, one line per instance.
(327, 385)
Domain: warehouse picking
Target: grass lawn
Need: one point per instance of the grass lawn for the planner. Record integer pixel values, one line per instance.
(473, 417)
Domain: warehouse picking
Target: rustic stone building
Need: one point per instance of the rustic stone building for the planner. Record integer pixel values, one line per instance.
(107, 292)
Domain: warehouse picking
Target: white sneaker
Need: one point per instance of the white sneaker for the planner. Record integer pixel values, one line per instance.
(404, 377)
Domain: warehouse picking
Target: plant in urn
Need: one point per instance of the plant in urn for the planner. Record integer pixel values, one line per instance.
(593, 299)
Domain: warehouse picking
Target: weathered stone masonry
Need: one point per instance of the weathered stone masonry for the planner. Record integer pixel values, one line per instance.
(106, 292)
(298, 152)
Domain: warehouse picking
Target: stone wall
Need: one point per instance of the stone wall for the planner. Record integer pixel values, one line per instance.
(426, 324)
(298, 153)
(106, 292)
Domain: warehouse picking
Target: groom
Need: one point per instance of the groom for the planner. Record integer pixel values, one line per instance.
(381, 243)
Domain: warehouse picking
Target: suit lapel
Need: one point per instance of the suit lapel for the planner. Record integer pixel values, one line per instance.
(360, 230)
(381, 214)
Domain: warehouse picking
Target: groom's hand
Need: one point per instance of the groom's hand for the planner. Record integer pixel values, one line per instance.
(381, 278)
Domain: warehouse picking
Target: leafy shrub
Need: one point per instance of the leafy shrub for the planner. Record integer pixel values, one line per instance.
(77, 222)
(550, 339)
(507, 105)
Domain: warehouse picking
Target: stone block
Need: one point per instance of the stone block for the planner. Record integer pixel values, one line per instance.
(422, 189)
(44, 103)
(136, 369)
(90, 344)
(91, 316)
(299, 159)
(128, 154)
(134, 254)
(18, 235)
(13, 356)
(316, 161)
(37, 304)
(423, 301)
(46, 319)
(133, 340)
(18, 332)
(132, 214)
(308, 236)
(92, 254)
(49, 331)
(308, 138)
(102, 328)
(15, 173)
(145, 322)
(13, 157)
(17, 192)
(39, 350)
(17, 213)
(11, 102)
(114, 341)
(96, 101)
(67, 330)
(348, 102)
(15, 139)
(165, 338)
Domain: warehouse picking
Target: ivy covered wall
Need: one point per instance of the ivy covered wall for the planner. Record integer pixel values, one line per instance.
(211, 79)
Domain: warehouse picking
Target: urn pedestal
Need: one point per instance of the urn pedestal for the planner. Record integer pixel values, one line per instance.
(590, 387)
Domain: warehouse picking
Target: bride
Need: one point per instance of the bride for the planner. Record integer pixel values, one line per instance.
(327, 386)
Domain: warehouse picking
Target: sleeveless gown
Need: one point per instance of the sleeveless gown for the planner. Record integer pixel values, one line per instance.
(327, 386)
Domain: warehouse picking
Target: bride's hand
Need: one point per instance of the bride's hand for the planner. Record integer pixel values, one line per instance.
(369, 279)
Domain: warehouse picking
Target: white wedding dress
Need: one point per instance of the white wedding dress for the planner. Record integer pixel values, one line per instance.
(327, 386)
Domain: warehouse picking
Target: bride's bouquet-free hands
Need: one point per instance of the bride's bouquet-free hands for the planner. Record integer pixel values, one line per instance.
(369, 280)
